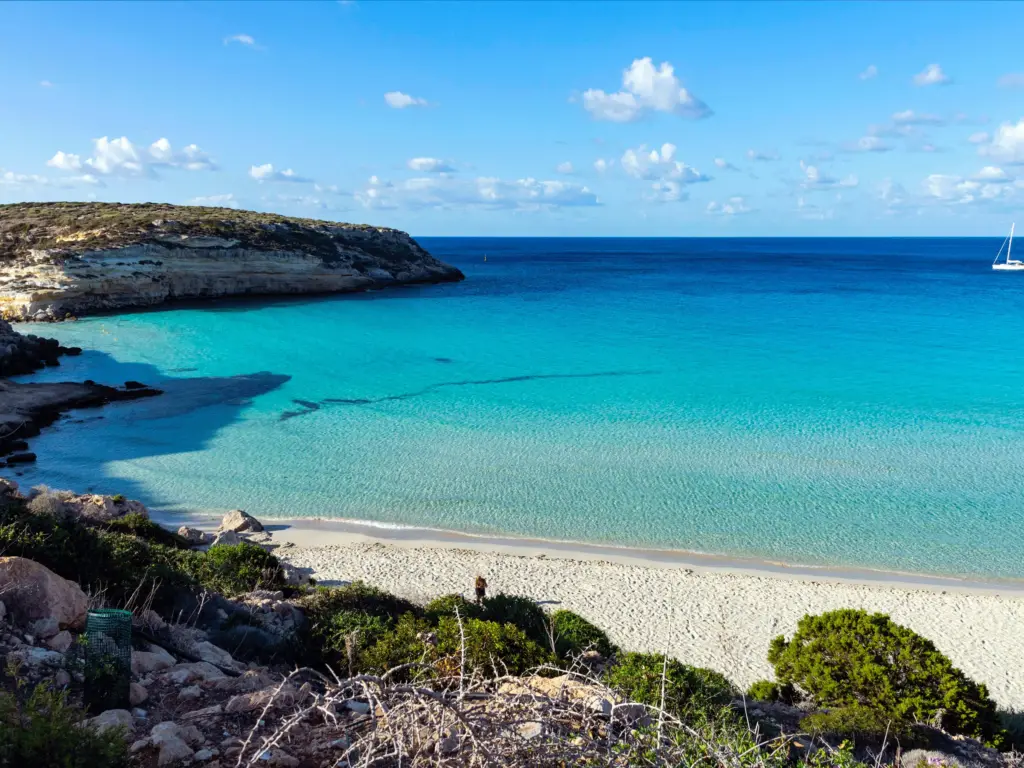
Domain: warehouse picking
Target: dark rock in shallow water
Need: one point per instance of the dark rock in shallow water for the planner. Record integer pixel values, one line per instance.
(21, 458)
(134, 385)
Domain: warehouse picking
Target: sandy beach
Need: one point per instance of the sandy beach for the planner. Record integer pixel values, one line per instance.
(705, 611)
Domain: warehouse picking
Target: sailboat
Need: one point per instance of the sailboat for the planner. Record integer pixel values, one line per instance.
(1008, 263)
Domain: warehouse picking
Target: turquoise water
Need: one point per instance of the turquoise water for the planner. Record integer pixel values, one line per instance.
(852, 402)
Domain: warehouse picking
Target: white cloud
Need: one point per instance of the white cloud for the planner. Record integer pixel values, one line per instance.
(241, 39)
(601, 165)
(725, 165)
(266, 172)
(763, 157)
(1006, 144)
(892, 193)
(565, 168)
(910, 117)
(65, 162)
(12, 179)
(123, 158)
(430, 165)
(659, 165)
(932, 75)
(993, 175)
(1012, 80)
(956, 190)
(870, 73)
(645, 89)
(871, 143)
(301, 201)
(484, 192)
(399, 100)
(815, 179)
(667, 192)
(981, 137)
(215, 201)
(734, 206)
(45, 84)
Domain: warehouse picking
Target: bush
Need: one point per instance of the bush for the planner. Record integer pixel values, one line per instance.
(851, 658)
(491, 648)
(404, 644)
(446, 605)
(44, 731)
(574, 635)
(689, 691)
(233, 569)
(856, 722)
(144, 528)
(520, 611)
(48, 504)
(766, 690)
(334, 613)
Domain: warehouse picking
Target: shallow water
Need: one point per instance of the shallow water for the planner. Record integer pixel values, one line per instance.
(848, 402)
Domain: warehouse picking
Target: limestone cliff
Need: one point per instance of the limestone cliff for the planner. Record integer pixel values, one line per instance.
(69, 259)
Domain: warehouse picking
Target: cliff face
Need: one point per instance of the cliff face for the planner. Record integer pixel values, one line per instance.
(69, 259)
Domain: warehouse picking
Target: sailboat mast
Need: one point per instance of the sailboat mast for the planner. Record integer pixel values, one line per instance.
(1010, 246)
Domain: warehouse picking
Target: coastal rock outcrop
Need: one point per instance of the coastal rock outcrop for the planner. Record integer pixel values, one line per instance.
(33, 592)
(60, 260)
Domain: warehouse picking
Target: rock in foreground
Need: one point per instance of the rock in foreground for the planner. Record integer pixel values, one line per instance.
(66, 259)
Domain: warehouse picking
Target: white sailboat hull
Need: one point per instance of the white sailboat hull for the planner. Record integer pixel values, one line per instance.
(1012, 266)
(1008, 264)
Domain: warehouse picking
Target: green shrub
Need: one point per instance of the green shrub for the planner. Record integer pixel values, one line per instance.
(403, 644)
(446, 605)
(44, 731)
(334, 613)
(144, 528)
(689, 691)
(233, 569)
(574, 635)
(117, 498)
(856, 722)
(521, 611)
(491, 648)
(766, 690)
(851, 658)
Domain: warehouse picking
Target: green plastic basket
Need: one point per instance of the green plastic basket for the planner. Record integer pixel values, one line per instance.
(108, 659)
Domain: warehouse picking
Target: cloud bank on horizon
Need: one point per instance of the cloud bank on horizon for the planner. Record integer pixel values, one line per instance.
(467, 126)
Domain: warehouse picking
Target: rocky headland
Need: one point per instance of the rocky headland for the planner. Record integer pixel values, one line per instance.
(62, 260)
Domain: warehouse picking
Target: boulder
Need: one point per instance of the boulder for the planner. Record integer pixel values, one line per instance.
(218, 656)
(191, 693)
(195, 536)
(44, 628)
(183, 674)
(170, 739)
(257, 700)
(227, 539)
(32, 592)
(103, 508)
(240, 521)
(294, 576)
(35, 657)
(137, 694)
(144, 662)
(61, 641)
(112, 718)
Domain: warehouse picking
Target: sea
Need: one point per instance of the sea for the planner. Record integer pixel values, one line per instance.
(834, 402)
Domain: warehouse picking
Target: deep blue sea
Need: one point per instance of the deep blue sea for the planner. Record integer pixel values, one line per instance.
(815, 401)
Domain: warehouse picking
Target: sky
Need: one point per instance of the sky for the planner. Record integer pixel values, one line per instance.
(527, 119)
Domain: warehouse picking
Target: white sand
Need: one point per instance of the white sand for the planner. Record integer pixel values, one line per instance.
(705, 612)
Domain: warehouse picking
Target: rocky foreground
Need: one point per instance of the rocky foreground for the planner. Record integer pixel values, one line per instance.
(60, 260)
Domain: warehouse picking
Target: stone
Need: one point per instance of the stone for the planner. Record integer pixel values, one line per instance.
(101, 508)
(21, 458)
(44, 628)
(359, 707)
(278, 758)
(3, 611)
(174, 741)
(62, 679)
(227, 539)
(183, 674)
(137, 694)
(530, 730)
(32, 591)
(191, 693)
(195, 536)
(173, 750)
(61, 641)
(250, 702)
(294, 576)
(203, 755)
(928, 758)
(144, 662)
(218, 656)
(204, 713)
(239, 521)
(112, 718)
(139, 745)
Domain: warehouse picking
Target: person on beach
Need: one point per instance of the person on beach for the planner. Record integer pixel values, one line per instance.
(481, 588)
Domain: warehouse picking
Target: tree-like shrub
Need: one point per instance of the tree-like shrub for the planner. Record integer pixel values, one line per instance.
(859, 723)
(447, 605)
(405, 644)
(523, 612)
(144, 528)
(44, 731)
(573, 635)
(689, 691)
(357, 611)
(231, 569)
(492, 649)
(850, 658)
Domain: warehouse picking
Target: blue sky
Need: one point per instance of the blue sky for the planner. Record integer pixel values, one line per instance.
(752, 118)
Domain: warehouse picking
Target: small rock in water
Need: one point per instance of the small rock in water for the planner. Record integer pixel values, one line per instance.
(239, 521)
(21, 458)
